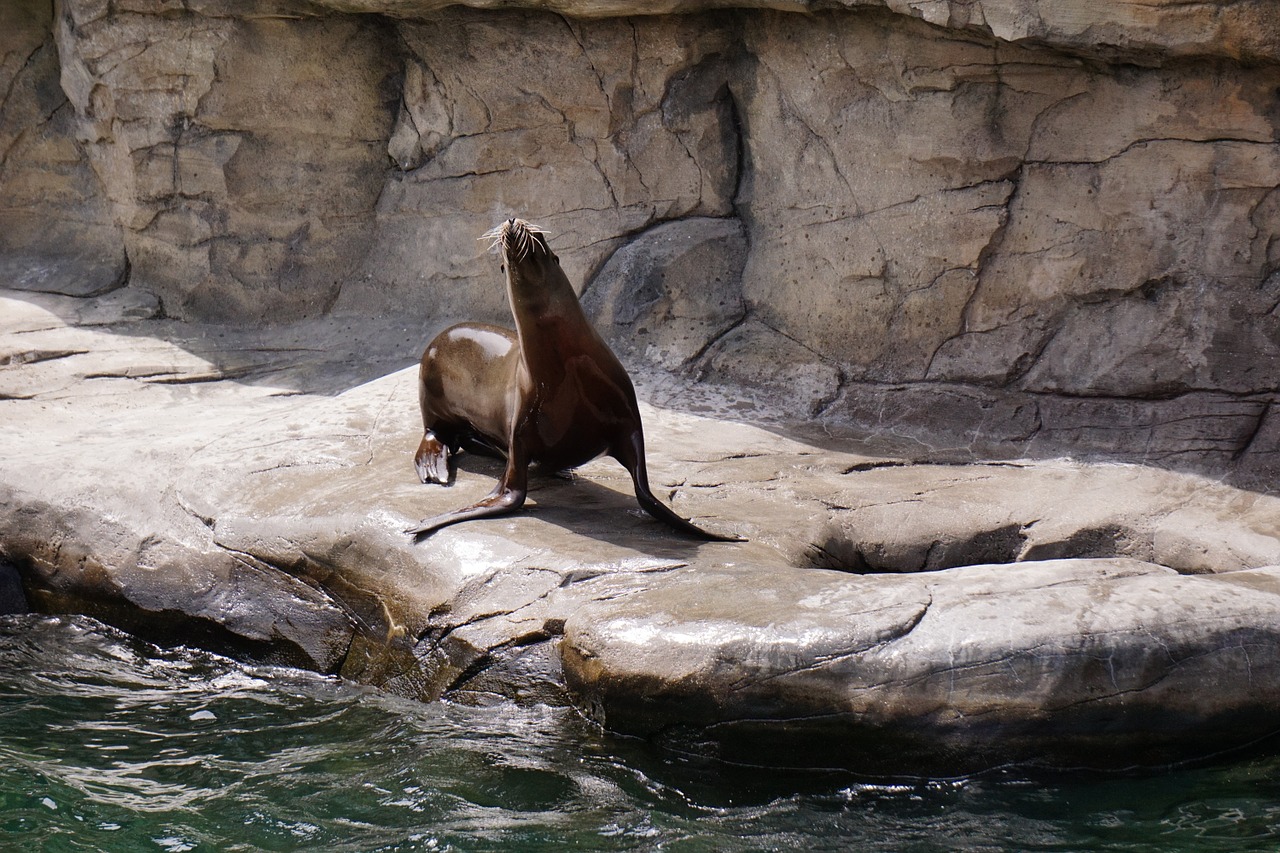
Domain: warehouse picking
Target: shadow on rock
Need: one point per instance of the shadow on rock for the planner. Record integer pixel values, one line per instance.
(584, 507)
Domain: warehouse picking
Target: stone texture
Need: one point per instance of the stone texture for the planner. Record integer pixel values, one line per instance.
(924, 249)
(1238, 29)
(608, 128)
(1067, 661)
(670, 293)
(56, 229)
(1033, 207)
(1048, 224)
(245, 490)
(242, 155)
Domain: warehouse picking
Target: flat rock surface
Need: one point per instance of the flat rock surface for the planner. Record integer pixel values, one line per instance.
(246, 491)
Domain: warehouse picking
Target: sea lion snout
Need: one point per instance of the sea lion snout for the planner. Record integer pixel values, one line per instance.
(517, 239)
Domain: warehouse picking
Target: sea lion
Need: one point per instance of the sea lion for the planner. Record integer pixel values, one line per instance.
(550, 392)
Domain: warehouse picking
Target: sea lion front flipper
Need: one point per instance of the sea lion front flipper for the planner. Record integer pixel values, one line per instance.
(631, 454)
(432, 460)
(507, 496)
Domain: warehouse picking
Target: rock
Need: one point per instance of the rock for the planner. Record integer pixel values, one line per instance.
(242, 154)
(756, 358)
(925, 250)
(56, 229)
(1240, 29)
(668, 295)
(946, 422)
(888, 517)
(1067, 216)
(1224, 539)
(1082, 662)
(12, 598)
(246, 491)
(613, 127)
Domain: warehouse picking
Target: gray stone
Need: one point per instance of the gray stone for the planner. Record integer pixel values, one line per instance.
(1089, 661)
(1053, 215)
(912, 253)
(669, 294)
(752, 357)
(245, 491)
(608, 128)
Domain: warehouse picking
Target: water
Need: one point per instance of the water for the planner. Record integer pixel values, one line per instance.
(107, 743)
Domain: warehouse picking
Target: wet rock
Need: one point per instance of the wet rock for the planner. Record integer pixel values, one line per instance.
(889, 231)
(12, 598)
(1084, 662)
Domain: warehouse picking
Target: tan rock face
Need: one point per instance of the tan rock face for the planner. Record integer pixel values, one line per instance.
(242, 155)
(986, 214)
(1012, 227)
(592, 130)
(56, 229)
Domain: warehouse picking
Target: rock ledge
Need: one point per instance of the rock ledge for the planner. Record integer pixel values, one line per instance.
(245, 490)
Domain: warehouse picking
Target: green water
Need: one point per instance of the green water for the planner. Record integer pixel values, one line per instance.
(107, 743)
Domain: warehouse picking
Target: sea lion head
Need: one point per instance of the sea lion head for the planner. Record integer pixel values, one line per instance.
(527, 258)
(518, 241)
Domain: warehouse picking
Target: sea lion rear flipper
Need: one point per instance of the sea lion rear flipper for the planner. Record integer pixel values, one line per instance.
(631, 454)
(507, 496)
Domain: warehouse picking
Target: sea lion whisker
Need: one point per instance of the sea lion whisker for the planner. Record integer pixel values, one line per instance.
(514, 235)
(494, 236)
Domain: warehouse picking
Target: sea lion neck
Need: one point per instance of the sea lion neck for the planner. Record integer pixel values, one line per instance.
(539, 293)
(536, 286)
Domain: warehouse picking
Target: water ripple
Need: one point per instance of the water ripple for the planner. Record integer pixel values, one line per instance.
(107, 743)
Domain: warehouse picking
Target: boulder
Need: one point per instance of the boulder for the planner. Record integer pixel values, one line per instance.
(246, 491)
(1088, 663)
(669, 294)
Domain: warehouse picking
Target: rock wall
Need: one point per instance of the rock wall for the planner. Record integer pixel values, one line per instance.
(57, 232)
(998, 227)
(242, 147)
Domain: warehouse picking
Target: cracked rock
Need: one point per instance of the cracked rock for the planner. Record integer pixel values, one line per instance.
(916, 240)
(672, 292)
